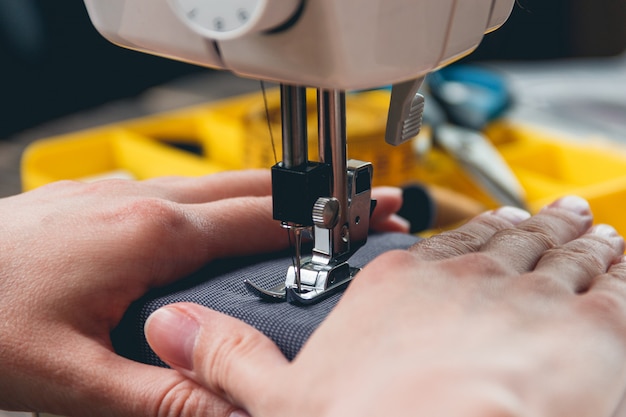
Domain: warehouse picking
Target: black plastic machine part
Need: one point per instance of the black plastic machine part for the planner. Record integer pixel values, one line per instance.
(295, 191)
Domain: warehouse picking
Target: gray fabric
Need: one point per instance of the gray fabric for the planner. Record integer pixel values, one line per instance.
(220, 286)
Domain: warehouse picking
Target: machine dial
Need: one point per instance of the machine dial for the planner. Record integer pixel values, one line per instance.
(230, 19)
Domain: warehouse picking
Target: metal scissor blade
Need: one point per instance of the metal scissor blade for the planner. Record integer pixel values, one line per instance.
(477, 155)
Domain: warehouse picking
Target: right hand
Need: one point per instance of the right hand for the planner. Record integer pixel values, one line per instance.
(505, 316)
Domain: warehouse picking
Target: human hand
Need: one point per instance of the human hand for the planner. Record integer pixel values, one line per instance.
(74, 256)
(505, 316)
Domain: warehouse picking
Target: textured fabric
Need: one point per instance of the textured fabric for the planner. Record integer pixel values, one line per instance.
(220, 286)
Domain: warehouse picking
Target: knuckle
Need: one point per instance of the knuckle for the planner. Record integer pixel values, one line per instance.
(537, 236)
(448, 244)
(186, 398)
(580, 256)
(150, 213)
(146, 229)
(591, 254)
(523, 243)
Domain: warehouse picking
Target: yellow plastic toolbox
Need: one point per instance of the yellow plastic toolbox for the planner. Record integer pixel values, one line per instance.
(235, 134)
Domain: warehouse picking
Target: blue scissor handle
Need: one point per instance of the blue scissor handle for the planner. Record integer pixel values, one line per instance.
(470, 95)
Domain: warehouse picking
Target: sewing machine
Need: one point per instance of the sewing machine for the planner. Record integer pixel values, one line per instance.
(333, 46)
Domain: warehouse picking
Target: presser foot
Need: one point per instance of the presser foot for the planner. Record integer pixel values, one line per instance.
(317, 281)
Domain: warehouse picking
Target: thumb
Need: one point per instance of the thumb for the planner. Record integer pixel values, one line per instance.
(221, 353)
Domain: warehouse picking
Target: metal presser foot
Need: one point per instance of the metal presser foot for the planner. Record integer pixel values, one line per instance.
(321, 282)
(312, 278)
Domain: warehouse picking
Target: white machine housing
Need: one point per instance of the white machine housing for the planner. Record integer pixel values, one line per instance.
(338, 44)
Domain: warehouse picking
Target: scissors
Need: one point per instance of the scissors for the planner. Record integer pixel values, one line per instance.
(460, 101)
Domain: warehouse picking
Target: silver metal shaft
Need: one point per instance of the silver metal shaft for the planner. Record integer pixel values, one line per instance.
(294, 119)
(331, 109)
(295, 147)
(298, 235)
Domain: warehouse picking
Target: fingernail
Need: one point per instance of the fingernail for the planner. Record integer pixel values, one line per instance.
(574, 204)
(239, 413)
(389, 191)
(604, 230)
(513, 214)
(172, 335)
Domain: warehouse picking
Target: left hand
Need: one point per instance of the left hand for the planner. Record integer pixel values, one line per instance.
(73, 257)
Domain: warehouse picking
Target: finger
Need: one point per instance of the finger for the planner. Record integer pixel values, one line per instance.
(213, 187)
(257, 183)
(555, 225)
(575, 264)
(221, 353)
(156, 242)
(162, 241)
(469, 237)
(384, 218)
(239, 226)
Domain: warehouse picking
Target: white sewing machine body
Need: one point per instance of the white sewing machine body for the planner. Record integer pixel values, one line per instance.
(339, 44)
